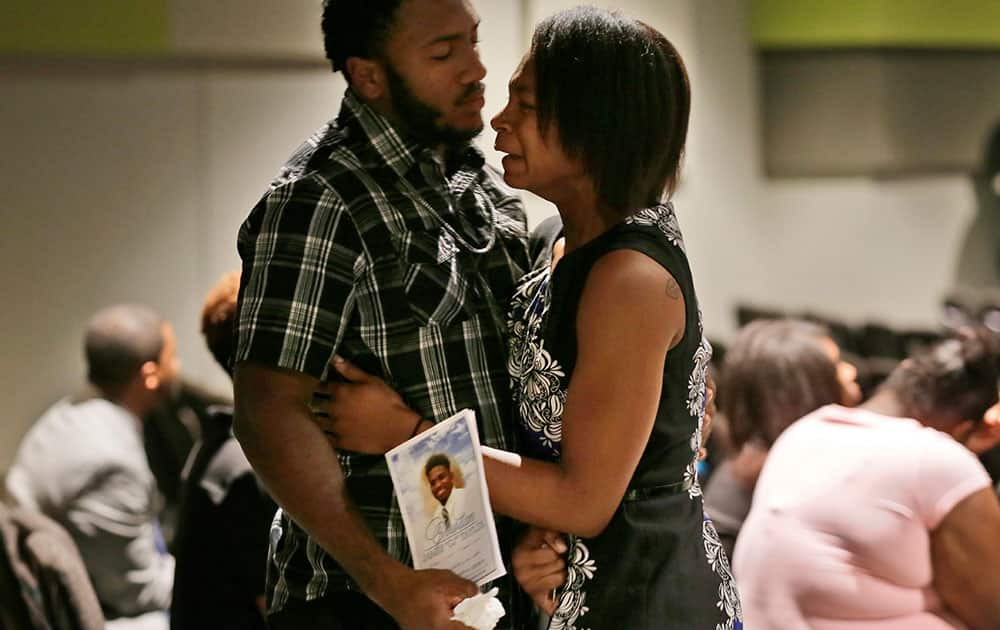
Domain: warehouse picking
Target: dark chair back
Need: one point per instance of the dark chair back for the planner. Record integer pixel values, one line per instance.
(43, 582)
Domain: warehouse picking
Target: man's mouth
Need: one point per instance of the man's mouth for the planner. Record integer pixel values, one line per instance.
(476, 96)
(477, 103)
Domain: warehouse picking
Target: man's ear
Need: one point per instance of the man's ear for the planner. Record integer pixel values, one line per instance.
(150, 373)
(367, 78)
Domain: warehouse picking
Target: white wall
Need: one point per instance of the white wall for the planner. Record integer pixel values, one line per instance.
(854, 248)
(129, 185)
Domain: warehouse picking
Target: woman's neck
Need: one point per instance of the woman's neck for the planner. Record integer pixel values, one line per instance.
(584, 218)
(885, 403)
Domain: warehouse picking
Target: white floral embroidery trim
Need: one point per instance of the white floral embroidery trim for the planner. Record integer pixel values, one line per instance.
(580, 569)
(536, 377)
(536, 382)
(729, 597)
(663, 217)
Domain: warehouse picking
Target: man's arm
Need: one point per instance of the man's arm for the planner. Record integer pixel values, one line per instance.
(291, 455)
(117, 538)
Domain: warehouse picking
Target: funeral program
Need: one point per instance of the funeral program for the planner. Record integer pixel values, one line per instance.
(441, 490)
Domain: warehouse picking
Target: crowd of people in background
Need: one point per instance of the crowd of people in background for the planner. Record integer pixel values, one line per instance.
(848, 513)
(389, 281)
(838, 512)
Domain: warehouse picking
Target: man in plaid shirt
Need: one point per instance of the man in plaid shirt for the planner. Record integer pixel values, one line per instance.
(387, 241)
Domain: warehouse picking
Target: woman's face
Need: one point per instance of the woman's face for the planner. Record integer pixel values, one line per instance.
(847, 374)
(534, 161)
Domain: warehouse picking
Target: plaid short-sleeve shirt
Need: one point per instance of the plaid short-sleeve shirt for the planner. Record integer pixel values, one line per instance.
(366, 246)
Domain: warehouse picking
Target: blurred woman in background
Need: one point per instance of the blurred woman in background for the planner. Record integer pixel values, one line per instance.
(776, 372)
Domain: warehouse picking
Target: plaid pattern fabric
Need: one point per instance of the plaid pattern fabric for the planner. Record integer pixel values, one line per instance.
(367, 247)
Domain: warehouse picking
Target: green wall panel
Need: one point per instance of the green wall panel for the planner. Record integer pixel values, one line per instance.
(778, 24)
(89, 28)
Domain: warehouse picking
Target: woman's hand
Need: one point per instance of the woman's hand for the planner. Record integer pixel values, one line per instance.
(364, 414)
(539, 566)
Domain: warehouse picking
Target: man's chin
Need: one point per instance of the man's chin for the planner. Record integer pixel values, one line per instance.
(458, 135)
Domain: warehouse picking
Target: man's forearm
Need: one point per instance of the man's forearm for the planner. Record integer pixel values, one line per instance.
(300, 469)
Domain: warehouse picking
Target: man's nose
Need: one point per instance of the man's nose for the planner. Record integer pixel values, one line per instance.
(475, 72)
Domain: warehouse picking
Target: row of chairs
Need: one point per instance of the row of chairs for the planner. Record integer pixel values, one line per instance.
(869, 340)
(875, 349)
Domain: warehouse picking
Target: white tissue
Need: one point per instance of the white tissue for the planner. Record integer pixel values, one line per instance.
(480, 612)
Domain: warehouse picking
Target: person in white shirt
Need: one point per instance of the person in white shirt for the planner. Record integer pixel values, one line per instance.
(83, 464)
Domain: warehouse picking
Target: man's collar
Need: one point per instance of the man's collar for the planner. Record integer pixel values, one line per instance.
(468, 156)
(396, 148)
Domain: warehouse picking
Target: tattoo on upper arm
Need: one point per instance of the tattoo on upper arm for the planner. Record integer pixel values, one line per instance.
(673, 289)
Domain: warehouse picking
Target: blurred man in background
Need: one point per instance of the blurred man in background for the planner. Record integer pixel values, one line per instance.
(83, 464)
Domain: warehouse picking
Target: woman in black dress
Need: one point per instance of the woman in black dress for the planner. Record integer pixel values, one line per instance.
(607, 353)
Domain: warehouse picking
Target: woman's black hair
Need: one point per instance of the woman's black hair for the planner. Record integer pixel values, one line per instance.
(617, 92)
(775, 372)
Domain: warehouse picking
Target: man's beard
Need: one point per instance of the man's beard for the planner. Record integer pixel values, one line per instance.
(423, 120)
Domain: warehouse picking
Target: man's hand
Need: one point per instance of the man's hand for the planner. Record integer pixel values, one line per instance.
(539, 566)
(425, 600)
(364, 414)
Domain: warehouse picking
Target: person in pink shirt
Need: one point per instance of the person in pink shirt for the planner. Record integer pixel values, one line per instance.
(881, 517)
(775, 372)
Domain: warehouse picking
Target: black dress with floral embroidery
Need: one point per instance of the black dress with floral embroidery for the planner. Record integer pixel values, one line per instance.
(659, 563)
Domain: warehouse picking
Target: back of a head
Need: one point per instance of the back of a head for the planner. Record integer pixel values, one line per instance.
(775, 372)
(618, 94)
(218, 319)
(119, 339)
(356, 28)
(953, 380)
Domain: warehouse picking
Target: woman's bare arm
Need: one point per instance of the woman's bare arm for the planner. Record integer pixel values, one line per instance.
(631, 313)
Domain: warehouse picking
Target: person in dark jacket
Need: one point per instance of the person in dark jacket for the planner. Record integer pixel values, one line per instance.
(225, 514)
